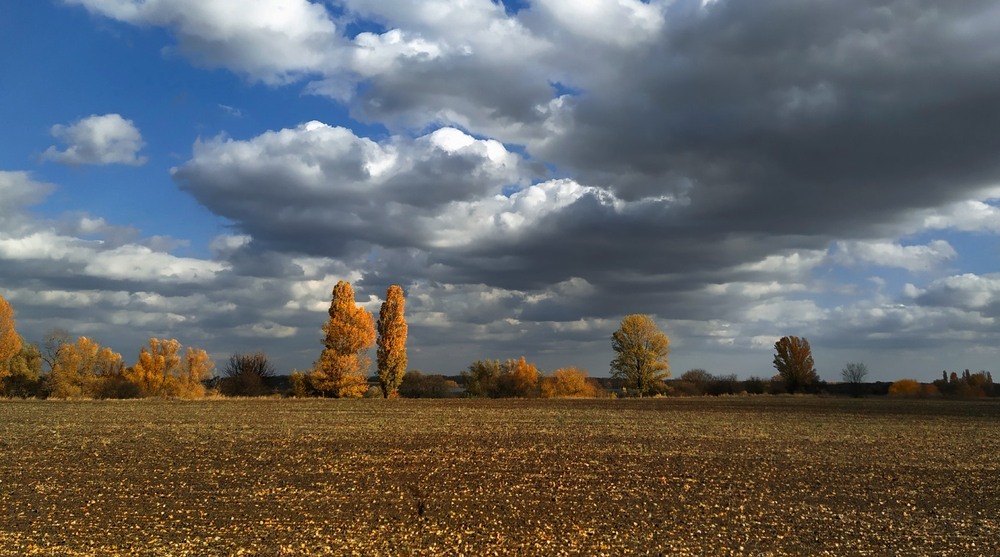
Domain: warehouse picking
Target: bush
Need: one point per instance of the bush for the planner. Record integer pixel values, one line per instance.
(905, 388)
(567, 383)
(488, 378)
(518, 379)
(247, 375)
(300, 384)
(694, 382)
(481, 378)
(723, 385)
(419, 385)
(755, 386)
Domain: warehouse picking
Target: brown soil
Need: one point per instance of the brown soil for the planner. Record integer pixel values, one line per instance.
(704, 476)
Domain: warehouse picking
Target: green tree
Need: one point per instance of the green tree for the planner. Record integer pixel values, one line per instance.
(25, 379)
(349, 333)
(418, 385)
(481, 378)
(392, 330)
(642, 351)
(794, 362)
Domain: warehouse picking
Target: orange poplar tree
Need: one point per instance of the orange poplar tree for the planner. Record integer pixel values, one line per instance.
(10, 341)
(391, 354)
(349, 333)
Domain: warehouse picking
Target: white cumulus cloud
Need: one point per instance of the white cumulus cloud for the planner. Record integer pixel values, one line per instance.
(98, 139)
(891, 254)
(274, 41)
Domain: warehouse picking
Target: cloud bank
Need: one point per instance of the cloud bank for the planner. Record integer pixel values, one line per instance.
(741, 170)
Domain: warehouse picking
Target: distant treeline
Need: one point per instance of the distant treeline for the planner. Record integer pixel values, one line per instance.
(492, 379)
(60, 367)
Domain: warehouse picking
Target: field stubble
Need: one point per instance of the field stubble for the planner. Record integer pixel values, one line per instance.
(701, 476)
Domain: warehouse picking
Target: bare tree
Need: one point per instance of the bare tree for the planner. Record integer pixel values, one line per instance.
(54, 340)
(855, 373)
(247, 374)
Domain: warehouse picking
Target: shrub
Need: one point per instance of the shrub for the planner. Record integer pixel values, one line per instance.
(518, 379)
(300, 384)
(905, 387)
(247, 375)
(755, 386)
(568, 382)
(481, 378)
(419, 385)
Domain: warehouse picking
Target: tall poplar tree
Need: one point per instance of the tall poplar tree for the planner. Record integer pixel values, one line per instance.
(349, 333)
(10, 341)
(391, 354)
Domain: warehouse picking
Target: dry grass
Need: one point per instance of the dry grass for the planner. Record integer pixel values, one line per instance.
(710, 476)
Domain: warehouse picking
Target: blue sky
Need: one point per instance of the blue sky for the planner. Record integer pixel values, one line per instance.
(207, 170)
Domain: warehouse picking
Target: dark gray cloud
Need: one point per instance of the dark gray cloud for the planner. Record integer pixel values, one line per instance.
(779, 118)
(742, 170)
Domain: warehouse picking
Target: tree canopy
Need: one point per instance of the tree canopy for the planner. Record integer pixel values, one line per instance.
(642, 351)
(794, 362)
(349, 333)
(392, 330)
(10, 341)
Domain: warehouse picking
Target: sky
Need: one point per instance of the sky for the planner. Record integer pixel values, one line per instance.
(529, 172)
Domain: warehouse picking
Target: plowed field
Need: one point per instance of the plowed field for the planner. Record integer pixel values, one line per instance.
(699, 476)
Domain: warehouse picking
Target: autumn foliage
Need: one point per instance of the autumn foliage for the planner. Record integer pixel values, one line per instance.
(85, 369)
(490, 378)
(913, 388)
(349, 333)
(642, 351)
(10, 341)
(163, 371)
(518, 378)
(794, 362)
(568, 382)
(391, 354)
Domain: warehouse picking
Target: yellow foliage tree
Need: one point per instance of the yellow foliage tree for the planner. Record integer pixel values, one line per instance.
(566, 383)
(162, 371)
(391, 354)
(518, 379)
(83, 369)
(10, 341)
(349, 333)
(642, 354)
